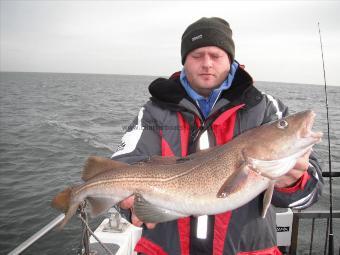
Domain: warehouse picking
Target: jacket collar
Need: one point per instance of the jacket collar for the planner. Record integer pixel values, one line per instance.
(169, 93)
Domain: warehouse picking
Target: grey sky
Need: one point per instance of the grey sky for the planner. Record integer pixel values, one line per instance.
(276, 40)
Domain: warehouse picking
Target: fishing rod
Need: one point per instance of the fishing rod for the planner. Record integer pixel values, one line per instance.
(330, 235)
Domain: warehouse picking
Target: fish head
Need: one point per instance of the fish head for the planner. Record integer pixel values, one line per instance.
(289, 137)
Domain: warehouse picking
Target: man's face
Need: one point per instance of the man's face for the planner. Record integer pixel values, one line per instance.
(206, 68)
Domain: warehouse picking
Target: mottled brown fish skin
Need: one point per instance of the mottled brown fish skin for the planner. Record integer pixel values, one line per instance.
(190, 186)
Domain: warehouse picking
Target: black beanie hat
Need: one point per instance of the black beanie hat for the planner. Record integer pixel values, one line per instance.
(208, 32)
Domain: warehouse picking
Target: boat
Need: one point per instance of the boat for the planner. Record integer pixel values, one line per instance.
(117, 236)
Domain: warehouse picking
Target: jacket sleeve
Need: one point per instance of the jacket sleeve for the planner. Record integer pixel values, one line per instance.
(307, 189)
(141, 140)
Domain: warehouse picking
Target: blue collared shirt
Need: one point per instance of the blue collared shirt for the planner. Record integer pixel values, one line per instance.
(206, 104)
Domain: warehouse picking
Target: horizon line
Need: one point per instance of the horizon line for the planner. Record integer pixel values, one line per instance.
(148, 75)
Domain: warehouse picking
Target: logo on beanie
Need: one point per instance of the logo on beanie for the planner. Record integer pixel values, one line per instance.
(196, 38)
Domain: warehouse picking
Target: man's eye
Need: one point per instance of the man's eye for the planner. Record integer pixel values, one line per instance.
(215, 56)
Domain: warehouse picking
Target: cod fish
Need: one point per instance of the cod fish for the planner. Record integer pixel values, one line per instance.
(208, 182)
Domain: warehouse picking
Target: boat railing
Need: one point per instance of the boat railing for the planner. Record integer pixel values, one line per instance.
(313, 216)
(28, 242)
(292, 249)
(297, 217)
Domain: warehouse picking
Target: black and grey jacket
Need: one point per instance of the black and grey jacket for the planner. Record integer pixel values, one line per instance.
(157, 121)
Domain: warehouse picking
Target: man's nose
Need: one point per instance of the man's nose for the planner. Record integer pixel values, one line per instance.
(207, 62)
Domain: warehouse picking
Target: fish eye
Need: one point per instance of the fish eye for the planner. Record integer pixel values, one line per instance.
(282, 124)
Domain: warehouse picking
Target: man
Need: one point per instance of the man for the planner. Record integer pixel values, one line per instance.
(211, 101)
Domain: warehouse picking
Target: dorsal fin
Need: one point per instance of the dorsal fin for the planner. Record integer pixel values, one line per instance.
(156, 159)
(202, 153)
(159, 160)
(96, 165)
(172, 159)
(169, 160)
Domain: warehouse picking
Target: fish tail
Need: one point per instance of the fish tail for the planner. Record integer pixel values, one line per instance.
(62, 202)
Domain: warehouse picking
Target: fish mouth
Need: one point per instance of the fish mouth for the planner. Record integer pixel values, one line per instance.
(307, 132)
(307, 137)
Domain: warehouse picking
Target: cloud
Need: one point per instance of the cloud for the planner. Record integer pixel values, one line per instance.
(275, 39)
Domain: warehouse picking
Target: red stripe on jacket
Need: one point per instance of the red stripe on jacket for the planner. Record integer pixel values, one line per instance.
(184, 223)
(299, 185)
(223, 128)
(148, 247)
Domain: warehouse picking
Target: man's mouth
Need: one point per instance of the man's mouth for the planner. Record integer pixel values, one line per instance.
(206, 75)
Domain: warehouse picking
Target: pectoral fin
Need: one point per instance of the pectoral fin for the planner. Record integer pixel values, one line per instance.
(150, 213)
(267, 198)
(234, 182)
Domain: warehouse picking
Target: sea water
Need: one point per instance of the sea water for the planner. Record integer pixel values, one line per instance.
(50, 123)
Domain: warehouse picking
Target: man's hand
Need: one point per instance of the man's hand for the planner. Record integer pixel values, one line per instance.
(128, 204)
(290, 178)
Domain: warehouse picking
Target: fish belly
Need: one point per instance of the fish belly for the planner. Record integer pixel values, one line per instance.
(205, 201)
